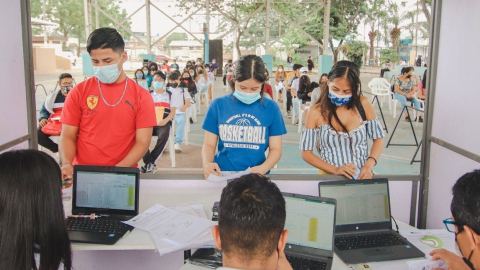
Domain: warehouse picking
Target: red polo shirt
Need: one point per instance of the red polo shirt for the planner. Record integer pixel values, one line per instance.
(106, 134)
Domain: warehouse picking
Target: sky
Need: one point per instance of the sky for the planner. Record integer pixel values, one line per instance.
(161, 25)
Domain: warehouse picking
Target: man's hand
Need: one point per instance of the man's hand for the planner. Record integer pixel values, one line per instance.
(162, 123)
(454, 262)
(67, 171)
(43, 122)
(283, 263)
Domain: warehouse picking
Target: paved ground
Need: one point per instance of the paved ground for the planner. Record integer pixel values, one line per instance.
(394, 159)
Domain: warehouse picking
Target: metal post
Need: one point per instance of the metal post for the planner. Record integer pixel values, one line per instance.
(267, 30)
(97, 22)
(416, 33)
(149, 33)
(326, 26)
(87, 25)
(206, 31)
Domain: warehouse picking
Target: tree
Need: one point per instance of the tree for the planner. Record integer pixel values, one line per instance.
(354, 49)
(175, 36)
(69, 14)
(376, 13)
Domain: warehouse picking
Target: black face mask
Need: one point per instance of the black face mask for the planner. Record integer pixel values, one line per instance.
(173, 85)
(200, 72)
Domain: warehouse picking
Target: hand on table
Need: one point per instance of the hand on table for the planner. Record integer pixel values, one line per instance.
(67, 171)
(454, 262)
(258, 169)
(211, 168)
(348, 170)
(365, 173)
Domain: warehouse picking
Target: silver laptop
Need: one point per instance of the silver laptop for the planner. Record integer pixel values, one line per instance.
(103, 197)
(311, 224)
(363, 231)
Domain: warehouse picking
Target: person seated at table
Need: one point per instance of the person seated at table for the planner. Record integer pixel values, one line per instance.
(240, 127)
(305, 88)
(53, 104)
(251, 221)
(338, 126)
(33, 234)
(405, 91)
(465, 223)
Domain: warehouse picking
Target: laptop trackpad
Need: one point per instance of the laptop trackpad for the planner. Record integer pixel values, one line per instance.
(373, 252)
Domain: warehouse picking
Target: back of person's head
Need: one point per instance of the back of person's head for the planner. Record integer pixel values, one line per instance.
(251, 218)
(31, 212)
(105, 38)
(349, 64)
(465, 206)
(347, 72)
(296, 66)
(303, 82)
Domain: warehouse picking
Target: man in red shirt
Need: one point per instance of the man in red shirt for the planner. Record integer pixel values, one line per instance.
(106, 120)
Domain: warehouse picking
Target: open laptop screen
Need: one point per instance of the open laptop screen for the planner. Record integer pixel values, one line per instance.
(310, 222)
(359, 201)
(107, 190)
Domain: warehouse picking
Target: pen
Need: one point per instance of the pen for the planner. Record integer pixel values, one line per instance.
(66, 181)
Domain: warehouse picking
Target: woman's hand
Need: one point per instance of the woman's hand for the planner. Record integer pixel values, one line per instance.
(349, 170)
(365, 173)
(211, 168)
(258, 169)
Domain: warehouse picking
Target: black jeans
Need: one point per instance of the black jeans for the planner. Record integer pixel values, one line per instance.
(383, 71)
(45, 141)
(162, 134)
(289, 100)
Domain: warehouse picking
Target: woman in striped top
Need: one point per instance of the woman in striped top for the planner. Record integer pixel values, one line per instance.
(338, 126)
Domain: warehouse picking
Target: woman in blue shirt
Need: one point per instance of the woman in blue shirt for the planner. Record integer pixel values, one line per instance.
(243, 125)
(338, 126)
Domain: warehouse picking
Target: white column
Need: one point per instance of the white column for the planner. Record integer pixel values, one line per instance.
(149, 33)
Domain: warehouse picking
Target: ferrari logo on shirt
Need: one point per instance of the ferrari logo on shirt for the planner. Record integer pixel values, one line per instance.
(92, 102)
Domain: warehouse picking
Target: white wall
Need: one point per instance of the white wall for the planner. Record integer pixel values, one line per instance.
(13, 116)
(456, 105)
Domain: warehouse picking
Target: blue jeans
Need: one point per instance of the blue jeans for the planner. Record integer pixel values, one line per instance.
(403, 100)
(180, 128)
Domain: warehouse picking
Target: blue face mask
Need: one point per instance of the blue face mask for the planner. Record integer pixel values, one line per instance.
(107, 74)
(247, 98)
(157, 85)
(139, 76)
(207, 69)
(192, 74)
(145, 72)
(339, 100)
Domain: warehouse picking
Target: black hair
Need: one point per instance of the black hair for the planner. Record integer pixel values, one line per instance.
(250, 67)
(229, 61)
(406, 70)
(191, 83)
(105, 38)
(174, 75)
(207, 65)
(251, 217)
(194, 71)
(63, 76)
(303, 83)
(161, 74)
(31, 212)
(153, 65)
(424, 79)
(141, 71)
(297, 66)
(349, 64)
(327, 108)
(465, 206)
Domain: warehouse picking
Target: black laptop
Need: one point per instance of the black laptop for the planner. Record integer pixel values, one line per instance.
(311, 227)
(102, 198)
(363, 231)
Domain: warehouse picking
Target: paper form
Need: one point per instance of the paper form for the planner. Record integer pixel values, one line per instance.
(428, 240)
(169, 224)
(227, 175)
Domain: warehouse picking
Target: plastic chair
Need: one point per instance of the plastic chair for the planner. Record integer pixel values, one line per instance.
(381, 88)
(300, 115)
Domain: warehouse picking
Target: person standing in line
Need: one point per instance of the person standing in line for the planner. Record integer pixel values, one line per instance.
(295, 74)
(243, 125)
(289, 62)
(174, 65)
(214, 68)
(310, 65)
(140, 79)
(107, 119)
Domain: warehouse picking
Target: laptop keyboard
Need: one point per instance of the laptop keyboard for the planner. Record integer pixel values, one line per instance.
(368, 241)
(96, 225)
(305, 264)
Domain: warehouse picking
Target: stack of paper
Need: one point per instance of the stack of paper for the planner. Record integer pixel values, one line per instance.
(428, 240)
(227, 175)
(173, 230)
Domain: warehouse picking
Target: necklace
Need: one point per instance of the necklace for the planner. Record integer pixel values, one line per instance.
(101, 94)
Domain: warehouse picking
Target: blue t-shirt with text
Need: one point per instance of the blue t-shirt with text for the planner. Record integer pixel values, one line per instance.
(243, 131)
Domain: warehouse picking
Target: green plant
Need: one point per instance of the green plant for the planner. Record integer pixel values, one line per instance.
(354, 50)
(388, 54)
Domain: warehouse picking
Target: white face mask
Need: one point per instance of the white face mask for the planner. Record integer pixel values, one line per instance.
(280, 70)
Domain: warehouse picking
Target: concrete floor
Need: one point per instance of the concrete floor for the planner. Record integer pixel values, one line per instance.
(394, 159)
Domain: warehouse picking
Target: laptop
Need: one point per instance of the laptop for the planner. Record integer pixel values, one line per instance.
(363, 231)
(102, 198)
(311, 225)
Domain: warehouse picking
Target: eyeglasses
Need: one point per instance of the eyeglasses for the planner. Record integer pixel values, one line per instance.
(450, 224)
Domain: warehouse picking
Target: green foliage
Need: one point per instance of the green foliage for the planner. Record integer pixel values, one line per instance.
(388, 54)
(355, 51)
(69, 14)
(176, 36)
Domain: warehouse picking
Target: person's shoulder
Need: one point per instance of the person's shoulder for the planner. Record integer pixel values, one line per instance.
(268, 103)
